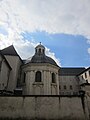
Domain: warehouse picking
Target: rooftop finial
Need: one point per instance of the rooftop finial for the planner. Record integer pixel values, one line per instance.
(40, 43)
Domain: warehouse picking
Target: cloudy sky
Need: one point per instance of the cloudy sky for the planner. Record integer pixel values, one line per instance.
(63, 27)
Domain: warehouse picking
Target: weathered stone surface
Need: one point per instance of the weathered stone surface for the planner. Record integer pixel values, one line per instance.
(41, 108)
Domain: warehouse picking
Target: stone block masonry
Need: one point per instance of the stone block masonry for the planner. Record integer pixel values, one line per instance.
(41, 108)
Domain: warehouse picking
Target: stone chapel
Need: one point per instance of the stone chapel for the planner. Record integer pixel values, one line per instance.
(39, 76)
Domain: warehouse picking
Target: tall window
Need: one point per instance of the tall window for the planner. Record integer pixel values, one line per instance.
(43, 50)
(85, 75)
(38, 76)
(89, 72)
(53, 78)
(24, 77)
(70, 87)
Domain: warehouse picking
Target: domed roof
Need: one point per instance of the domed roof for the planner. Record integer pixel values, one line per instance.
(40, 56)
(42, 59)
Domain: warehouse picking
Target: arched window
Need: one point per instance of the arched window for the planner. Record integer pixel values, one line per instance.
(38, 76)
(53, 78)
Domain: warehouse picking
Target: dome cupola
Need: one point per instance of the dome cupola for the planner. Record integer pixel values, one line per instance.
(40, 56)
(40, 49)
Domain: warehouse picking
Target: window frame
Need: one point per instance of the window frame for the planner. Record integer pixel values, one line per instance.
(38, 76)
(53, 78)
(85, 75)
(71, 87)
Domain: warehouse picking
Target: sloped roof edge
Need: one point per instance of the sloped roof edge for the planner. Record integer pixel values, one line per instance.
(84, 71)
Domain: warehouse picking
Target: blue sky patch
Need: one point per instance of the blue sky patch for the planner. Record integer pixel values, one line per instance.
(3, 31)
(70, 49)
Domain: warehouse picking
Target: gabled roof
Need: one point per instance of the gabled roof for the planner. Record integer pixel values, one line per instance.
(9, 51)
(70, 71)
(5, 60)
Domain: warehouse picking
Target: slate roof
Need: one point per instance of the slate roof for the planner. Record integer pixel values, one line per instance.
(70, 71)
(42, 59)
(9, 51)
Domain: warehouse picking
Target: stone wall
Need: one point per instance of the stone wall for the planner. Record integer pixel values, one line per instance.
(4, 75)
(68, 81)
(42, 107)
(15, 63)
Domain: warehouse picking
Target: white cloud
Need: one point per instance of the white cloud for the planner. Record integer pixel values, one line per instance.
(52, 55)
(52, 16)
(89, 50)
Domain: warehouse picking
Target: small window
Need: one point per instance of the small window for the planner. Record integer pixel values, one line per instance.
(70, 87)
(59, 87)
(85, 75)
(64, 86)
(38, 76)
(53, 78)
(3, 84)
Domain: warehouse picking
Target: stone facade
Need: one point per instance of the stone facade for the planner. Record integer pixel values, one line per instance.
(69, 85)
(5, 70)
(43, 86)
(41, 75)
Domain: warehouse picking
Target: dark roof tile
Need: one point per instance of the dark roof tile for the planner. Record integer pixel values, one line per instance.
(42, 59)
(70, 71)
(9, 51)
